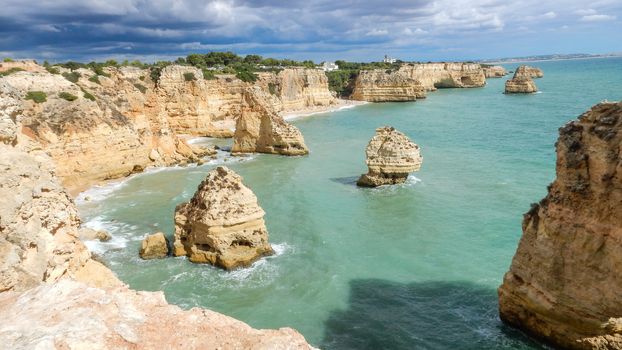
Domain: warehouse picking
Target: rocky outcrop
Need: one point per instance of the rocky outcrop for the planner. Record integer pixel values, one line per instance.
(57, 297)
(445, 75)
(154, 246)
(494, 71)
(391, 156)
(25, 65)
(521, 82)
(381, 85)
(222, 224)
(533, 72)
(89, 234)
(260, 129)
(562, 284)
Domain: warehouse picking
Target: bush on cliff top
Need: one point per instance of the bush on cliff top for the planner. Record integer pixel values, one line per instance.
(10, 71)
(72, 77)
(67, 96)
(247, 76)
(87, 95)
(7, 59)
(189, 76)
(95, 79)
(52, 70)
(37, 96)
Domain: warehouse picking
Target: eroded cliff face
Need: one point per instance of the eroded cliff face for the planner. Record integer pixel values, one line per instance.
(562, 286)
(379, 85)
(260, 129)
(294, 89)
(494, 71)
(445, 75)
(57, 297)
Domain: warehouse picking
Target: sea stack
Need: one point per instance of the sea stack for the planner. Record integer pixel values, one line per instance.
(222, 224)
(391, 156)
(534, 72)
(563, 284)
(260, 129)
(521, 82)
(154, 246)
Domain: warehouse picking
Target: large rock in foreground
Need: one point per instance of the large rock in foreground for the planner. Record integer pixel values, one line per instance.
(222, 224)
(260, 129)
(521, 82)
(379, 85)
(391, 156)
(564, 282)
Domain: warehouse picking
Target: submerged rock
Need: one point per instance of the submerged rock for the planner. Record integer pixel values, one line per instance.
(260, 129)
(521, 82)
(563, 284)
(222, 224)
(391, 155)
(154, 246)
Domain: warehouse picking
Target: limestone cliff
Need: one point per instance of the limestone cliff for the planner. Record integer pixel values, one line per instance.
(562, 286)
(494, 71)
(445, 75)
(57, 297)
(295, 89)
(379, 85)
(260, 129)
(222, 224)
(521, 82)
(390, 157)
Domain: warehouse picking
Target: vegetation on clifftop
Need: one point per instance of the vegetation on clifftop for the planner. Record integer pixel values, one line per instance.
(37, 96)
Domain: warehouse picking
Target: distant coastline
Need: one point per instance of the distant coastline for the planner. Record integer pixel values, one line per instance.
(543, 58)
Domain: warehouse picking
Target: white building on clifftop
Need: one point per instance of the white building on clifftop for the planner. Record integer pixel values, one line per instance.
(329, 66)
(388, 59)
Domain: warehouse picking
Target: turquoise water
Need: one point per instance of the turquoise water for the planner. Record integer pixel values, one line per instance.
(411, 266)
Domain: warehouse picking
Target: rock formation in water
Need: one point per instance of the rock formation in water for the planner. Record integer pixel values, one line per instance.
(533, 72)
(56, 296)
(562, 286)
(494, 71)
(222, 224)
(379, 85)
(260, 129)
(445, 75)
(154, 246)
(99, 127)
(391, 156)
(521, 82)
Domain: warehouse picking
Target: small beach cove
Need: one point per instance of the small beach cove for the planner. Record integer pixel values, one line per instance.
(415, 263)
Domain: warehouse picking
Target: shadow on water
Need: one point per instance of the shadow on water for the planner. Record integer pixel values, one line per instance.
(428, 315)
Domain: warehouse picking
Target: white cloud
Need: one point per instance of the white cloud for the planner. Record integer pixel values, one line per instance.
(377, 32)
(597, 18)
(585, 12)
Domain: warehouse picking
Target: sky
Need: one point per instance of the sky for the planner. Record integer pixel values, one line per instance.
(321, 30)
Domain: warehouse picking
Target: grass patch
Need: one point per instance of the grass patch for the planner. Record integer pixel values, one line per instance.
(67, 96)
(142, 78)
(72, 77)
(10, 71)
(272, 88)
(247, 76)
(52, 70)
(87, 95)
(189, 76)
(140, 87)
(37, 96)
(95, 79)
(8, 59)
(208, 74)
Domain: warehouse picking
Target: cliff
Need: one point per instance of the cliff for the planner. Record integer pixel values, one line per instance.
(57, 297)
(562, 284)
(494, 71)
(296, 89)
(260, 129)
(521, 82)
(381, 85)
(445, 75)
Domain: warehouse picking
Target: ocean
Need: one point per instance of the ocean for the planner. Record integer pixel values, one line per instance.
(410, 266)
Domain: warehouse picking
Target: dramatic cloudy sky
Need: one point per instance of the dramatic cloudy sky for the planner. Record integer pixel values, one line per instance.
(316, 29)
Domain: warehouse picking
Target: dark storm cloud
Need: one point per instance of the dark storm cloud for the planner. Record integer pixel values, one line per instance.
(320, 29)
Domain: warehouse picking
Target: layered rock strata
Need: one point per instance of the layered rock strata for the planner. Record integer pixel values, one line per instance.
(381, 85)
(534, 72)
(260, 129)
(390, 157)
(521, 82)
(445, 75)
(57, 297)
(222, 224)
(296, 89)
(562, 284)
(494, 71)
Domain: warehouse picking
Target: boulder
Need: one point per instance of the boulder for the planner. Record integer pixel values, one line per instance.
(391, 156)
(562, 286)
(154, 246)
(88, 234)
(521, 82)
(222, 224)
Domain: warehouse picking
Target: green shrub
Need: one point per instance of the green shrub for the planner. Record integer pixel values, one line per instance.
(247, 76)
(72, 77)
(272, 88)
(140, 87)
(8, 59)
(142, 77)
(67, 96)
(95, 79)
(154, 74)
(189, 76)
(10, 71)
(87, 95)
(37, 96)
(208, 74)
(52, 70)
(99, 70)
